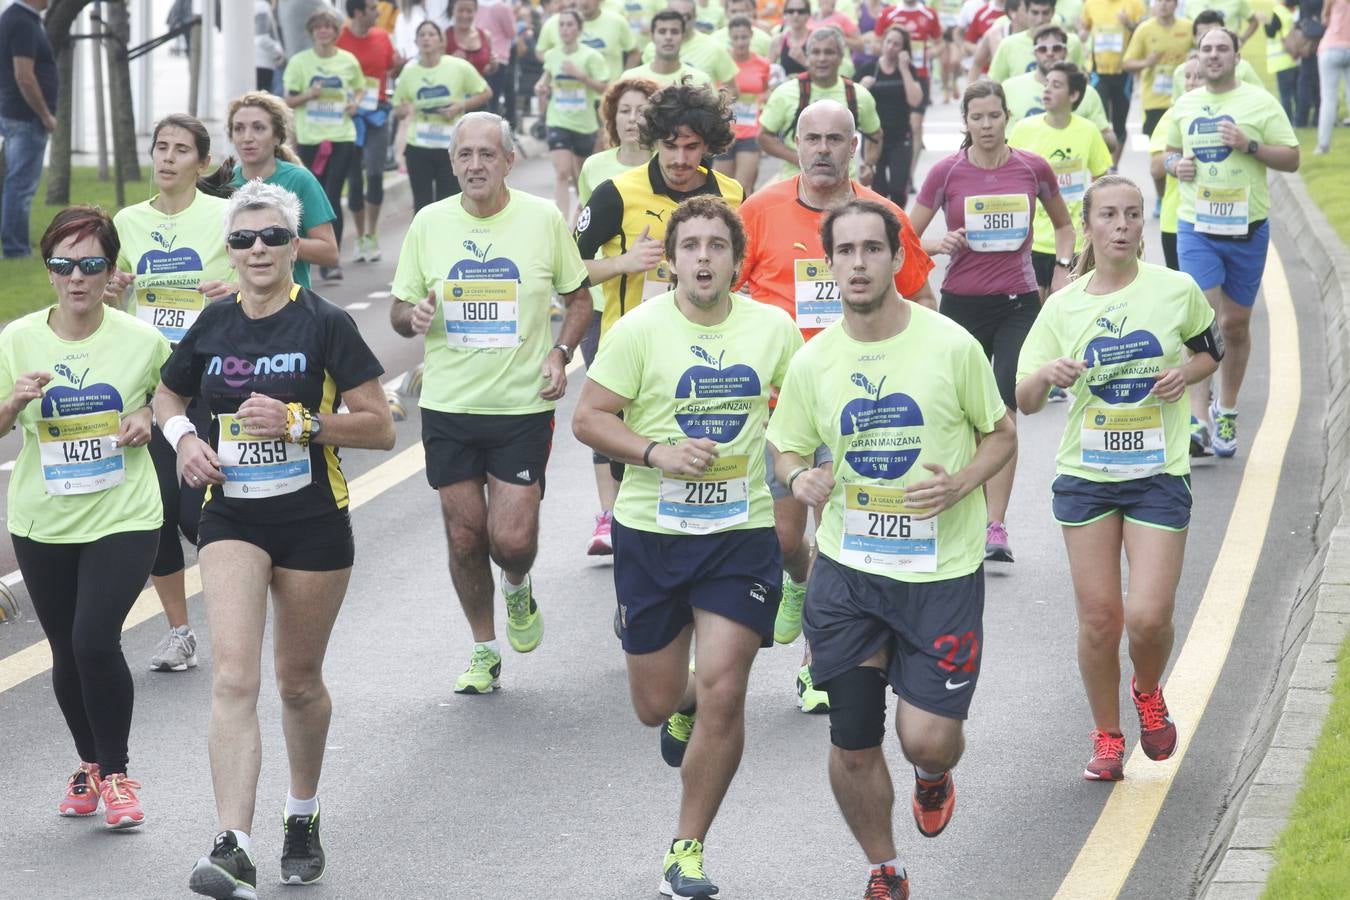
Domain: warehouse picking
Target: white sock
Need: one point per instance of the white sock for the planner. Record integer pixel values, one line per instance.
(893, 863)
(491, 645)
(929, 776)
(1225, 411)
(512, 587)
(242, 840)
(296, 807)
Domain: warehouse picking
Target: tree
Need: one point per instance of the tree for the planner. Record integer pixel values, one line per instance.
(117, 26)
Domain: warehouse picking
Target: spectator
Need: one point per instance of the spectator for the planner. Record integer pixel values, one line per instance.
(268, 54)
(27, 100)
(412, 13)
(1333, 68)
(1309, 90)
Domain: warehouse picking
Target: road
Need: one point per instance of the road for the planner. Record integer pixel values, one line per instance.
(551, 788)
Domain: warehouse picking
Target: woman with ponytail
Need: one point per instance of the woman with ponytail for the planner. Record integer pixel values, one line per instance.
(1125, 339)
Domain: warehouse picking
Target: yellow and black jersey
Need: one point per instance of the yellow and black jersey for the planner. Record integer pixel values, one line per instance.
(307, 352)
(615, 216)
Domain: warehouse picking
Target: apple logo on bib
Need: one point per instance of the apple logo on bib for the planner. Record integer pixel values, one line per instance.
(718, 397)
(482, 267)
(1115, 372)
(1206, 142)
(167, 260)
(886, 454)
(77, 398)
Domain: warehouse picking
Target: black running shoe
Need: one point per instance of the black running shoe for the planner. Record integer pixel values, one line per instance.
(227, 873)
(675, 733)
(302, 859)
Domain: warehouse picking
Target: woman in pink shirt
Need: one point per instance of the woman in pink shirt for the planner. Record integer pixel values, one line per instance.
(1333, 67)
(752, 85)
(987, 192)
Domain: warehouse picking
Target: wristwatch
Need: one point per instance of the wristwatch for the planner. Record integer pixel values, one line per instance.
(566, 351)
(1252, 147)
(1065, 262)
(315, 427)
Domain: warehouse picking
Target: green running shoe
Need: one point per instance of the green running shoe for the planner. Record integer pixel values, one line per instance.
(683, 878)
(809, 699)
(524, 621)
(789, 622)
(485, 667)
(675, 737)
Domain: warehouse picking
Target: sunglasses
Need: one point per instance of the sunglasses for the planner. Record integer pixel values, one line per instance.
(1050, 48)
(89, 265)
(272, 236)
(795, 12)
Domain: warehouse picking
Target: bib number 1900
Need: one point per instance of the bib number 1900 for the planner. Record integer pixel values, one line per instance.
(481, 311)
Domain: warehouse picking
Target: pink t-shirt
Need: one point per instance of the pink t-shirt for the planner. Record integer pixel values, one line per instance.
(952, 180)
(1338, 28)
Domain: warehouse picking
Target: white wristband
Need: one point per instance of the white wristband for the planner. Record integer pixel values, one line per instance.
(175, 428)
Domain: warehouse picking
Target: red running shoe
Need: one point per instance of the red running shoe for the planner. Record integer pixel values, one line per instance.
(1157, 733)
(934, 802)
(120, 804)
(1108, 757)
(885, 884)
(82, 789)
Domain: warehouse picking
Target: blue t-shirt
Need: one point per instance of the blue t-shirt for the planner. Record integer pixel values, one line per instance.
(315, 209)
(22, 34)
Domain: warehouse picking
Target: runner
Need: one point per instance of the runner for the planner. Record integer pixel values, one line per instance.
(789, 45)
(573, 80)
(1221, 142)
(698, 50)
(275, 517)
(83, 511)
(752, 86)
(924, 28)
(1016, 54)
(259, 125)
(426, 92)
(785, 267)
(1024, 92)
(1236, 14)
(710, 15)
(326, 84)
(605, 32)
(1279, 61)
(1157, 148)
(365, 180)
(827, 15)
(1108, 24)
(1206, 21)
(897, 592)
(695, 558)
(621, 109)
(761, 42)
(895, 85)
(1158, 46)
(173, 262)
(1123, 475)
(1012, 21)
(487, 421)
(665, 67)
(987, 191)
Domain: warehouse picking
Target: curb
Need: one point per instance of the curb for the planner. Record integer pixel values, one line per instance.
(1270, 775)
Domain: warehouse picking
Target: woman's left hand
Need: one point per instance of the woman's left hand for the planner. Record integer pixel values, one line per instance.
(135, 430)
(262, 415)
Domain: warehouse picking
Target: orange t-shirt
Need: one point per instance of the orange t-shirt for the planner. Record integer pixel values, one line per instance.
(782, 231)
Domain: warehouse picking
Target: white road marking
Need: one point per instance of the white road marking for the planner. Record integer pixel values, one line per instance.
(360, 304)
(379, 295)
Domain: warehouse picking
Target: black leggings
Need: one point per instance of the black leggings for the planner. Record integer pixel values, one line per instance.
(1114, 91)
(1169, 245)
(429, 175)
(892, 175)
(333, 176)
(82, 594)
(1000, 323)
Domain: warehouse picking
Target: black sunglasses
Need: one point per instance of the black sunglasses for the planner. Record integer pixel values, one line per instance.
(793, 12)
(89, 265)
(272, 236)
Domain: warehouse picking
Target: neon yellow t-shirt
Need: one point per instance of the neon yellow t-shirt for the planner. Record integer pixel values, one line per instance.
(598, 167)
(1109, 36)
(1229, 183)
(701, 52)
(709, 16)
(780, 113)
(885, 408)
(70, 484)
(571, 104)
(170, 255)
(638, 14)
(1171, 200)
(695, 381)
(1171, 43)
(1016, 55)
(1236, 13)
(452, 80)
(1024, 93)
(494, 278)
(1244, 72)
(1116, 430)
(1078, 155)
(760, 40)
(608, 34)
(325, 117)
(695, 76)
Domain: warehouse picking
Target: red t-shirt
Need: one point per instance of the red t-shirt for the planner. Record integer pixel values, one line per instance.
(752, 77)
(923, 25)
(375, 52)
(480, 59)
(983, 21)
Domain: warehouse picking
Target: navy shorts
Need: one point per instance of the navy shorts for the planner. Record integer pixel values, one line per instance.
(582, 145)
(1159, 501)
(660, 578)
(320, 544)
(934, 631)
(461, 446)
(1236, 265)
(741, 145)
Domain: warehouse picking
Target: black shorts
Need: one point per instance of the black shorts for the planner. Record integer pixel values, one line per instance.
(321, 544)
(934, 631)
(926, 84)
(1169, 245)
(742, 145)
(1044, 264)
(582, 145)
(660, 578)
(1151, 117)
(463, 446)
(1158, 501)
(1000, 323)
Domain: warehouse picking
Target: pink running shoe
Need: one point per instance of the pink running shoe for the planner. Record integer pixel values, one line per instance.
(601, 545)
(82, 791)
(1108, 757)
(120, 803)
(1157, 731)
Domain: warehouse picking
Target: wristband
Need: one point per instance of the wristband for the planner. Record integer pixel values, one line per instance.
(1170, 163)
(647, 454)
(793, 477)
(174, 430)
(299, 424)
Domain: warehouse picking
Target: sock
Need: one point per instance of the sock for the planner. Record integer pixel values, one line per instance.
(491, 645)
(893, 863)
(510, 586)
(296, 807)
(1225, 411)
(929, 776)
(243, 841)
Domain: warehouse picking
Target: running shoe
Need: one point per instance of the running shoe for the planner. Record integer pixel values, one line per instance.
(1225, 430)
(809, 699)
(330, 273)
(601, 544)
(1157, 731)
(481, 677)
(82, 792)
(683, 878)
(360, 249)
(302, 860)
(675, 737)
(177, 652)
(886, 884)
(372, 248)
(121, 807)
(933, 803)
(1058, 394)
(226, 873)
(1108, 757)
(996, 547)
(1200, 439)
(788, 623)
(524, 621)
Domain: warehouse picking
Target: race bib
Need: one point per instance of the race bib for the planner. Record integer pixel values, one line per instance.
(1221, 210)
(171, 310)
(78, 454)
(1124, 441)
(918, 55)
(328, 108)
(817, 294)
(1108, 42)
(657, 281)
(880, 532)
(716, 500)
(1162, 81)
(481, 313)
(259, 466)
(747, 113)
(370, 100)
(1072, 176)
(431, 132)
(569, 98)
(997, 222)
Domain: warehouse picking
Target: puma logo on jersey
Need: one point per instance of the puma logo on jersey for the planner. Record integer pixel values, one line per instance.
(658, 216)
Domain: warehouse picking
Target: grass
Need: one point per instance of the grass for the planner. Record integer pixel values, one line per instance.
(1312, 855)
(23, 282)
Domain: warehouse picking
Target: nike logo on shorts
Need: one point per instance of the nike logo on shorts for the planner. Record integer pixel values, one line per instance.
(957, 686)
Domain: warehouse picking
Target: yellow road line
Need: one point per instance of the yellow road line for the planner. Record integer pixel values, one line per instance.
(1118, 838)
(36, 658)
